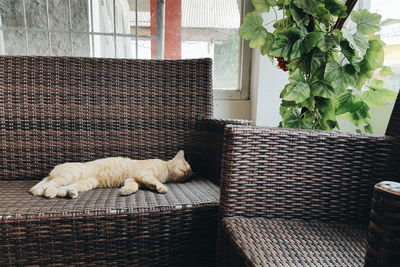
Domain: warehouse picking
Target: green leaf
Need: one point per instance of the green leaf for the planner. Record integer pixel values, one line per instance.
(386, 71)
(347, 51)
(348, 102)
(253, 30)
(374, 56)
(299, 16)
(322, 90)
(284, 41)
(323, 15)
(361, 44)
(292, 119)
(269, 40)
(359, 116)
(297, 92)
(327, 109)
(295, 51)
(367, 22)
(368, 128)
(262, 5)
(358, 42)
(329, 41)
(377, 96)
(283, 24)
(310, 41)
(308, 6)
(339, 77)
(336, 8)
(309, 103)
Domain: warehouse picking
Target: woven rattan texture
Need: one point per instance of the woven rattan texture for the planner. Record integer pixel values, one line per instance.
(101, 227)
(54, 110)
(213, 131)
(264, 242)
(384, 227)
(16, 201)
(300, 174)
(183, 237)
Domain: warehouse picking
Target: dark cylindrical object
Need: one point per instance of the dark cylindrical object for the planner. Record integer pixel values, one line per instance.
(384, 228)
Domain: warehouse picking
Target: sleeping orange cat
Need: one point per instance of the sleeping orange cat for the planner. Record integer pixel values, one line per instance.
(69, 179)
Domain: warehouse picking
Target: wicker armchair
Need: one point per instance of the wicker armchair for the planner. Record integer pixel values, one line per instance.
(54, 110)
(303, 198)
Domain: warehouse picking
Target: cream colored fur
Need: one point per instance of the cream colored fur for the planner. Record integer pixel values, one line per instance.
(69, 179)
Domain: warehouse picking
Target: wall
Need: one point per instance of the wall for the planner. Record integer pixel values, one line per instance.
(232, 109)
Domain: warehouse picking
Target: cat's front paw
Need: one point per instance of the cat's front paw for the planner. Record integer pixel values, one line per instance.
(126, 190)
(50, 192)
(72, 193)
(162, 189)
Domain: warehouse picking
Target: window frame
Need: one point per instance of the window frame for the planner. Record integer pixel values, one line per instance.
(242, 93)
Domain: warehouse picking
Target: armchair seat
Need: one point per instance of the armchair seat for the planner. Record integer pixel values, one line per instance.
(273, 242)
(16, 201)
(100, 223)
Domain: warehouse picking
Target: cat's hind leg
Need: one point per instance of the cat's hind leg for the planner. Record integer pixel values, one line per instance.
(73, 189)
(130, 187)
(38, 189)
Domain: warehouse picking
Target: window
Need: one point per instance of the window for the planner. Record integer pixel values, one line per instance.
(133, 29)
(390, 34)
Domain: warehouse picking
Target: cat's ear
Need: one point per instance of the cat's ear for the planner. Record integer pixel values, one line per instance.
(180, 155)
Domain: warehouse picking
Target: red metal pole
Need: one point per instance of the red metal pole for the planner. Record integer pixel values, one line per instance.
(153, 27)
(173, 29)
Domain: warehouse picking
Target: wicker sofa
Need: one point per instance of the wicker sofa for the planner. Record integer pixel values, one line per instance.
(54, 110)
(303, 198)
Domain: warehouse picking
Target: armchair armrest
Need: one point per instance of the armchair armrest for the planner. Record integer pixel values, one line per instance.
(303, 174)
(384, 227)
(208, 160)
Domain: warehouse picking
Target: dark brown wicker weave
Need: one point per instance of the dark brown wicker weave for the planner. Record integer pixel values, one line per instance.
(302, 198)
(54, 110)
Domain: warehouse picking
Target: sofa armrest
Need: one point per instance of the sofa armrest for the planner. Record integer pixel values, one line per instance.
(210, 156)
(384, 227)
(303, 174)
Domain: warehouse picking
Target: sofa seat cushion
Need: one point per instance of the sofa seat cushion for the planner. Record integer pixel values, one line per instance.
(102, 228)
(271, 242)
(16, 201)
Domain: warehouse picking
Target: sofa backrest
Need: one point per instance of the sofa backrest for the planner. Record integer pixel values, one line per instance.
(58, 109)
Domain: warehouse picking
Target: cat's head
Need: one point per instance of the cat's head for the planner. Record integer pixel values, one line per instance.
(179, 168)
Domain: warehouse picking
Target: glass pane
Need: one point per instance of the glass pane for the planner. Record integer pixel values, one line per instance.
(103, 16)
(81, 45)
(80, 16)
(38, 43)
(14, 42)
(58, 15)
(123, 12)
(215, 35)
(60, 44)
(104, 46)
(124, 47)
(143, 48)
(36, 14)
(12, 13)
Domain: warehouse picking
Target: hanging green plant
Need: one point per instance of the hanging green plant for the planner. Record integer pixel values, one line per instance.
(330, 70)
